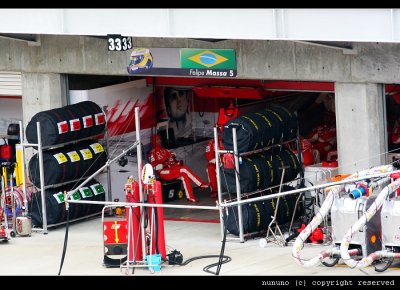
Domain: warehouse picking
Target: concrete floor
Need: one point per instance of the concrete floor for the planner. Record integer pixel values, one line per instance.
(40, 254)
(194, 214)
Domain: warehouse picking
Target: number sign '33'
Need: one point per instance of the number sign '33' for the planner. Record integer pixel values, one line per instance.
(118, 42)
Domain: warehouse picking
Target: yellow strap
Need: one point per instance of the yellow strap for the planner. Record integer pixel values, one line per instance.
(16, 174)
(5, 177)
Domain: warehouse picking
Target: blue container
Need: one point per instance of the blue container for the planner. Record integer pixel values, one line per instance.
(154, 262)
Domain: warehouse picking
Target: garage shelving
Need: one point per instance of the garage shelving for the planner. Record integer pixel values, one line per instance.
(239, 194)
(39, 148)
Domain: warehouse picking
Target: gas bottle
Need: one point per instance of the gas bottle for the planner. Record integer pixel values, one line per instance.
(24, 226)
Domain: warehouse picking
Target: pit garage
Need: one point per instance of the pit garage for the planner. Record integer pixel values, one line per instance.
(310, 95)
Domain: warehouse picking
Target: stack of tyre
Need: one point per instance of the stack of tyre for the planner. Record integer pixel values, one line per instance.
(264, 128)
(65, 167)
(259, 171)
(56, 212)
(258, 215)
(262, 170)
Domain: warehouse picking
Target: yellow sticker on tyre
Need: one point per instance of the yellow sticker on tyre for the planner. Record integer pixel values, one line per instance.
(73, 156)
(86, 154)
(97, 148)
(60, 157)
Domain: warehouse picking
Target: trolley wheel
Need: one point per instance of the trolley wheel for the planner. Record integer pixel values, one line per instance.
(383, 264)
(262, 243)
(12, 234)
(330, 261)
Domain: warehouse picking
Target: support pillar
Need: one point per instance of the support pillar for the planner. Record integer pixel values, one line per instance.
(361, 126)
(40, 92)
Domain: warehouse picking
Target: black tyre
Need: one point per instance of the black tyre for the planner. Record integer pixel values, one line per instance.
(330, 261)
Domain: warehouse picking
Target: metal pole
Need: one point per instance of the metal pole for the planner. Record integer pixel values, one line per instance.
(13, 206)
(3, 205)
(276, 212)
(136, 204)
(299, 155)
(217, 165)
(139, 151)
(41, 172)
(22, 139)
(382, 95)
(151, 235)
(289, 192)
(238, 193)
(128, 250)
(139, 165)
(109, 187)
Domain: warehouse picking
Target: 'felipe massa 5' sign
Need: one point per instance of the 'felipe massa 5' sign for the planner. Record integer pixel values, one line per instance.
(183, 62)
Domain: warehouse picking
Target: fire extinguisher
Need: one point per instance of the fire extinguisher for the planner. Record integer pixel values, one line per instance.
(155, 197)
(132, 195)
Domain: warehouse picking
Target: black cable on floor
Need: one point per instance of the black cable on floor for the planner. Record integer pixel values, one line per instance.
(65, 243)
(225, 259)
(222, 259)
(221, 255)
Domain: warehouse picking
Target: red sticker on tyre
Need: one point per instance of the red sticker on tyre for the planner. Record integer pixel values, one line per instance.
(100, 119)
(75, 124)
(87, 121)
(62, 127)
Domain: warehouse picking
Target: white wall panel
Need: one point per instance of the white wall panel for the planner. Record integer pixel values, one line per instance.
(10, 84)
(370, 25)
